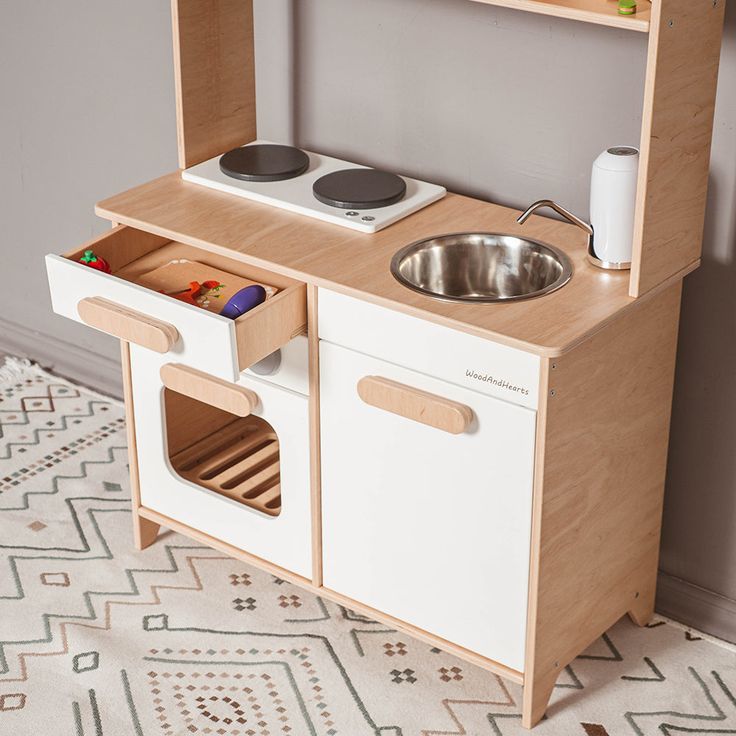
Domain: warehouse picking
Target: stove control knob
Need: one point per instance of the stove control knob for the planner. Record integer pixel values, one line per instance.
(352, 213)
(368, 218)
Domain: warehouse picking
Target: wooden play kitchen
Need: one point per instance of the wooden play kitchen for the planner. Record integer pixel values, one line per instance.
(487, 477)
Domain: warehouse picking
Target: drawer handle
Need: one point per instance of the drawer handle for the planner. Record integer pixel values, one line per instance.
(128, 325)
(412, 403)
(209, 390)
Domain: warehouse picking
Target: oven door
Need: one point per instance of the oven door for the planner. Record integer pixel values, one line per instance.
(230, 460)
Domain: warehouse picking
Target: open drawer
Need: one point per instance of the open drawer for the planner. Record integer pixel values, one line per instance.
(133, 302)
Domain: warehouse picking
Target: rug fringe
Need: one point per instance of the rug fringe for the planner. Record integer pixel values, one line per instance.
(18, 369)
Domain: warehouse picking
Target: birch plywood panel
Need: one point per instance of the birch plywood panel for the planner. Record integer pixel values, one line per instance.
(588, 11)
(679, 101)
(144, 530)
(214, 64)
(598, 508)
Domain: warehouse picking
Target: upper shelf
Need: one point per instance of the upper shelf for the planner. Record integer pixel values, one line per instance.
(602, 12)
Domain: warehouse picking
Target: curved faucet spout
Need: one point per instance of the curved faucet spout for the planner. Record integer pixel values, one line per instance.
(574, 219)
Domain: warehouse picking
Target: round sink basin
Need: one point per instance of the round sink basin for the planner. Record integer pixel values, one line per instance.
(481, 267)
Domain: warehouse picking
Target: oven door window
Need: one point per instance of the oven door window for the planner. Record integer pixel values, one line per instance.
(237, 457)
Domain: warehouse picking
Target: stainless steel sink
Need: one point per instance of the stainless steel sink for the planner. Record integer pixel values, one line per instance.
(481, 267)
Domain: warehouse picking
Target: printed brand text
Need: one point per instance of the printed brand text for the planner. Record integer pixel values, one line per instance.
(500, 382)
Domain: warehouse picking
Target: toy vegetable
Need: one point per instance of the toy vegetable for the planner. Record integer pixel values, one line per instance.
(197, 293)
(90, 259)
(245, 300)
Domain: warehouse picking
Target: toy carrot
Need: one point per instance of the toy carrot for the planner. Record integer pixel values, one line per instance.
(195, 291)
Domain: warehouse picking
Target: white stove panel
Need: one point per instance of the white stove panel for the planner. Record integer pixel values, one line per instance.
(296, 195)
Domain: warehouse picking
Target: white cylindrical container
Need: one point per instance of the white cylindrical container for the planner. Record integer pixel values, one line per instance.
(612, 203)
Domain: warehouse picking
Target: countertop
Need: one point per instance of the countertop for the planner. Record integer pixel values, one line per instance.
(358, 264)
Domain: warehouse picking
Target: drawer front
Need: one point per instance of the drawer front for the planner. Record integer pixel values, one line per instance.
(426, 501)
(283, 539)
(462, 359)
(205, 341)
(116, 304)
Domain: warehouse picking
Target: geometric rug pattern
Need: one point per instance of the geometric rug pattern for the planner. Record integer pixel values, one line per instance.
(97, 639)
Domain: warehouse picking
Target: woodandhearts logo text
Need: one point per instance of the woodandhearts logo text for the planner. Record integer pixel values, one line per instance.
(500, 382)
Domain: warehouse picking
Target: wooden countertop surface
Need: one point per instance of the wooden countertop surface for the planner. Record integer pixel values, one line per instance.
(356, 263)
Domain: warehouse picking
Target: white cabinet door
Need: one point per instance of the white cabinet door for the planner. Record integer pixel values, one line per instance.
(427, 526)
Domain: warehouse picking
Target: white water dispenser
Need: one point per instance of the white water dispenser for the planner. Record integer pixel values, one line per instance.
(612, 203)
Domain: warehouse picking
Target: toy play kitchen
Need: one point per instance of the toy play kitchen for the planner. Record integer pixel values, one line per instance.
(443, 413)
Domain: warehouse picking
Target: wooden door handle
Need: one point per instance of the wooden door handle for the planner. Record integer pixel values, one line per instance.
(412, 403)
(128, 325)
(209, 390)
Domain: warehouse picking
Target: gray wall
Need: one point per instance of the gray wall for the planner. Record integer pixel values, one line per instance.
(87, 110)
(491, 102)
(699, 543)
(430, 88)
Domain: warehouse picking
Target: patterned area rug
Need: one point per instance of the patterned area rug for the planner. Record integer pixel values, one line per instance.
(99, 640)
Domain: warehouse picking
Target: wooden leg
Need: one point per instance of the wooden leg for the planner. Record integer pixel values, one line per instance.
(536, 698)
(144, 531)
(643, 609)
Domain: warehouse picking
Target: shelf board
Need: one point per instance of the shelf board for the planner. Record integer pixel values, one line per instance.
(601, 12)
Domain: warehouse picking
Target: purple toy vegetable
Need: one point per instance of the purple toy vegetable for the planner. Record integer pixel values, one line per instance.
(245, 300)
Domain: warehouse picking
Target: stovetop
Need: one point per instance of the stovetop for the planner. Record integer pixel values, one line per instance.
(297, 194)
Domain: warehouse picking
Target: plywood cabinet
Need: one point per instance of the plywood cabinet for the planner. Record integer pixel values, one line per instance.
(446, 484)
(489, 479)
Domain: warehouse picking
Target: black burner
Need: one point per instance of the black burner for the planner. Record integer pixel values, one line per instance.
(359, 189)
(264, 162)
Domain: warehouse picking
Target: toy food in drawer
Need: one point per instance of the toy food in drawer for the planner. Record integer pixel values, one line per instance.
(167, 297)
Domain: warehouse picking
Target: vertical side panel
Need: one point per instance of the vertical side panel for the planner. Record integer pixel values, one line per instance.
(214, 66)
(315, 461)
(677, 125)
(598, 510)
(144, 531)
(537, 693)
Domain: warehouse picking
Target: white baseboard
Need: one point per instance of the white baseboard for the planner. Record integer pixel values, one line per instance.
(697, 607)
(65, 359)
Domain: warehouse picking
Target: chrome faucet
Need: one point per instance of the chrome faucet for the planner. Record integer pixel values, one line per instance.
(522, 218)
